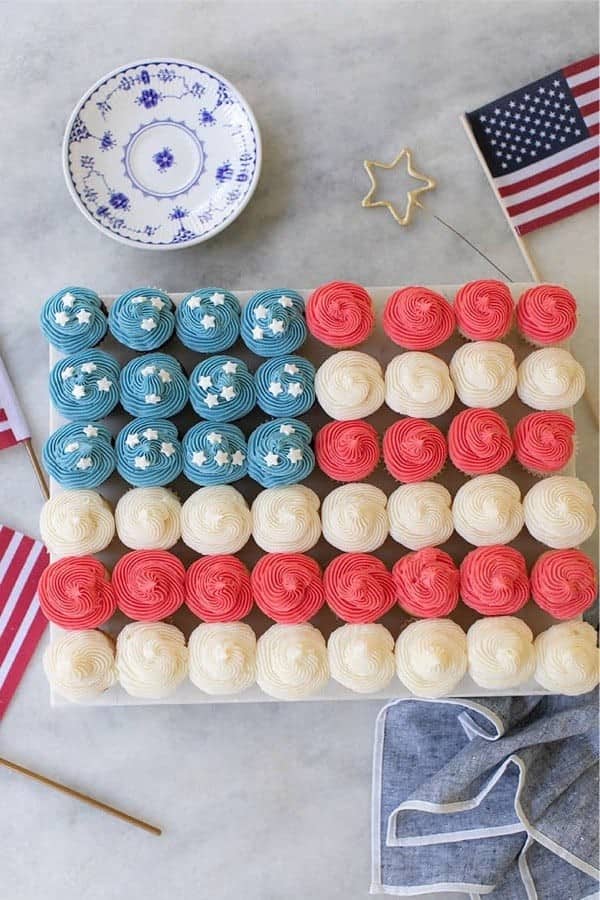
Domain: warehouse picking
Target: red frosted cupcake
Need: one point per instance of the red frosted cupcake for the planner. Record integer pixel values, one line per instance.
(149, 585)
(544, 442)
(340, 314)
(414, 450)
(217, 589)
(347, 451)
(358, 587)
(546, 314)
(493, 580)
(564, 583)
(288, 587)
(426, 583)
(418, 318)
(484, 310)
(479, 441)
(75, 593)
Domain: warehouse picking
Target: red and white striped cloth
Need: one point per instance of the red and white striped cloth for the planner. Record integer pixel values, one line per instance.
(13, 427)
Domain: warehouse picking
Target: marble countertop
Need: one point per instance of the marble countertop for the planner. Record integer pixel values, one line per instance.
(265, 801)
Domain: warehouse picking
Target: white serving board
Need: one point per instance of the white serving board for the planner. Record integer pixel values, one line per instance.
(384, 350)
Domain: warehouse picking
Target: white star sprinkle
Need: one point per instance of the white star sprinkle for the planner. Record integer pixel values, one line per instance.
(277, 326)
(84, 463)
(147, 370)
(68, 372)
(78, 391)
(261, 312)
(132, 440)
(214, 437)
(194, 302)
(147, 324)
(157, 303)
(291, 369)
(275, 388)
(204, 382)
(152, 398)
(211, 400)
(230, 368)
(140, 462)
(164, 376)
(136, 300)
(167, 448)
(237, 458)
(207, 321)
(221, 457)
(287, 429)
(104, 384)
(61, 318)
(83, 316)
(228, 392)
(198, 457)
(88, 367)
(285, 301)
(257, 333)
(70, 448)
(295, 389)
(271, 459)
(151, 434)
(68, 300)
(90, 431)
(217, 299)
(295, 455)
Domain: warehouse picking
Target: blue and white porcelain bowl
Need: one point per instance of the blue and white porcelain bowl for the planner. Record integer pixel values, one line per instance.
(162, 154)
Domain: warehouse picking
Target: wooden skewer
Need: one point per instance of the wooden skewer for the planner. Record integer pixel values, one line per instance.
(35, 464)
(71, 792)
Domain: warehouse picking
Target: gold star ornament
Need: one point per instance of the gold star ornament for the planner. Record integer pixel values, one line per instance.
(412, 197)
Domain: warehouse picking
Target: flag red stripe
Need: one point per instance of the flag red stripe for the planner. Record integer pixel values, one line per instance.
(3, 416)
(594, 129)
(22, 605)
(540, 199)
(589, 108)
(552, 172)
(15, 566)
(7, 439)
(5, 538)
(15, 673)
(558, 214)
(581, 66)
(584, 87)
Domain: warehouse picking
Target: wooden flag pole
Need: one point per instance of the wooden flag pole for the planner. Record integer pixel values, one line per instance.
(39, 472)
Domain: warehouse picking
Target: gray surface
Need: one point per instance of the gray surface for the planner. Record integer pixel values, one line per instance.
(265, 802)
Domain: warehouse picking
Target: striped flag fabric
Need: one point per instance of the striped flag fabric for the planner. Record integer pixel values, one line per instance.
(22, 561)
(541, 145)
(13, 427)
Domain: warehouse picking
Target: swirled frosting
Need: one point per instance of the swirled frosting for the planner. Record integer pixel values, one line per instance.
(73, 319)
(358, 587)
(544, 441)
(79, 455)
(350, 385)
(216, 520)
(484, 310)
(347, 451)
(80, 665)
(291, 661)
(550, 378)
(426, 583)
(500, 652)
(479, 441)
(152, 659)
(153, 385)
(85, 385)
(76, 523)
(75, 592)
(484, 373)
(147, 518)
(149, 584)
(354, 518)
(340, 314)
(431, 657)
(494, 581)
(564, 583)
(420, 515)
(559, 511)
(142, 319)
(214, 453)
(288, 587)
(149, 453)
(286, 519)
(547, 314)
(279, 452)
(361, 657)
(222, 657)
(208, 320)
(414, 450)
(273, 322)
(567, 658)
(418, 318)
(418, 384)
(285, 385)
(488, 510)
(222, 389)
(217, 589)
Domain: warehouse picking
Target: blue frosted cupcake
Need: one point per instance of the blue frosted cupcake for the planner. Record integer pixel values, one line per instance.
(208, 320)
(85, 385)
(279, 453)
(273, 322)
(214, 454)
(73, 319)
(153, 385)
(222, 389)
(285, 385)
(79, 455)
(149, 453)
(143, 319)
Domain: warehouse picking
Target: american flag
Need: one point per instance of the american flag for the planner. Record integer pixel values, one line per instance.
(13, 427)
(541, 145)
(22, 561)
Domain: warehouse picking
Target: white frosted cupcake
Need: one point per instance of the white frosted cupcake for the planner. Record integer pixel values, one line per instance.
(484, 373)
(559, 511)
(550, 379)
(152, 659)
(420, 515)
(216, 520)
(431, 657)
(361, 657)
(354, 518)
(291, 661)
(148, 518)
(222, 657)
(286, 519)
(80, 665)
(349, 385)
(567, 658)
(418, 384)
(500, 652)
(488, 510)
(76, 523)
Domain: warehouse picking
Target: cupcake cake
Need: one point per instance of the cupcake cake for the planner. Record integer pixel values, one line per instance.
(285, 386)
(484, 310)
(217, 589)
(152, 659)
(222, 657)
(420, 515)
(493, 580)
(76, 523)
(567, 658)
(488, 510)
(361, 657)
(149, 453)
(76, 593)
(358, 588)
(564, 583)
(546, 314)
(291, 661)
(153, 385)
(222, 389)
(431, 657)
(287, 587)
(79, 455)
(418, 318)
(216, 520)
(148, 518)
(544, 442)
(85, 385)
(273, 322)
(484, 373)
(479, 441)
(426, 583)
(500, 652)
(214, 454)
(414, 450)
(80, 665)
(347, 451)
(354, 518)
(208, 320)
(559, 512)
(418, 384)
(340, 314)
(279, 453)
(73, 319)
(149, 585)
(350, 385)
(286, 519)
(550, 378)
(142, 319)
